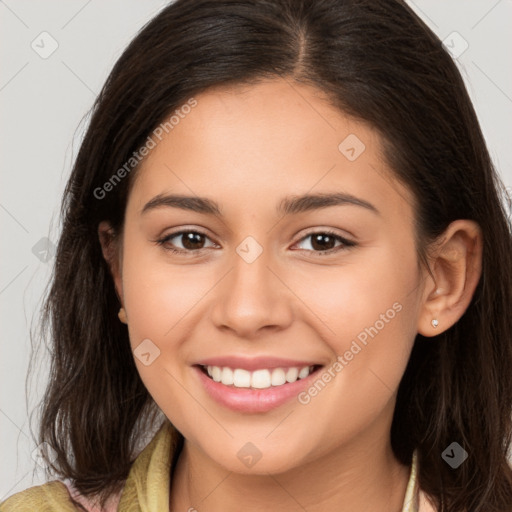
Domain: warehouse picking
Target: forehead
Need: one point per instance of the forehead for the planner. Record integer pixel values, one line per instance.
(272, 138)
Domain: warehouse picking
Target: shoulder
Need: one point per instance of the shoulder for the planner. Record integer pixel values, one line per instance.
(56, 496)
(50, 497)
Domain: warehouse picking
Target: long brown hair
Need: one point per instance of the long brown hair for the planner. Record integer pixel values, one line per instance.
(376, 61)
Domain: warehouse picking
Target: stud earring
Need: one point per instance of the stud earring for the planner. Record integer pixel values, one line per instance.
(435, 322)
(122, 316)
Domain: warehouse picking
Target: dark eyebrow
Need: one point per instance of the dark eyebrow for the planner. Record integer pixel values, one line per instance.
(192, 203)
(288, 206)
(307, 202)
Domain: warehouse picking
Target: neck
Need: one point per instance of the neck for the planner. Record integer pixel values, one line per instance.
(362, 476)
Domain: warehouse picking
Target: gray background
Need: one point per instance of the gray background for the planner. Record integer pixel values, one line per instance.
(44, 100)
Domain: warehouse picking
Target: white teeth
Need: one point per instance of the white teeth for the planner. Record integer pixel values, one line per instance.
(227, 376)
(241, 378)
(292, 374)
(278, 377)
(258, 379)
(304, 372)
(216, 373)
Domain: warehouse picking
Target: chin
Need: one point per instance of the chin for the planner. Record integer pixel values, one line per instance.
(257, 459)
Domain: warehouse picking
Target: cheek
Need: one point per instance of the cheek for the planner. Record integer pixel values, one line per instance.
(158, 295)
(369, 308)
(353, 296)
(367, 311)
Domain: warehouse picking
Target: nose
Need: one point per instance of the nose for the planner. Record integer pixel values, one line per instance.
(253, 298)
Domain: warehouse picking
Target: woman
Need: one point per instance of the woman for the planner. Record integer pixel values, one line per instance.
(284, 255)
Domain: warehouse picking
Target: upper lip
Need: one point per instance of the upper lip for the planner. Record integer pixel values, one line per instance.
(255, 363)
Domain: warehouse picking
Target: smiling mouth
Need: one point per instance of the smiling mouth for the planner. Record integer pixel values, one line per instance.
(258, 379)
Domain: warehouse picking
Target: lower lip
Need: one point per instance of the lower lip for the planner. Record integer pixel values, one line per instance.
(249, 400)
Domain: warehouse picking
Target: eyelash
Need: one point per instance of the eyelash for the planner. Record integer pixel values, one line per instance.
(346, 244)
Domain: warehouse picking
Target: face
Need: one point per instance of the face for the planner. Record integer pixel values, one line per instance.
(304, 310)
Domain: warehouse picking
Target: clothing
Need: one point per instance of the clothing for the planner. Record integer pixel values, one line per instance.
(147, 486)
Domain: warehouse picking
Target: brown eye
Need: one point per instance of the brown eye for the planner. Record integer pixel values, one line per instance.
(325, 242)
(322, 242)
(191, 241)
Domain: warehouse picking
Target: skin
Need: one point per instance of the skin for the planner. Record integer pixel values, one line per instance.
(247, 148)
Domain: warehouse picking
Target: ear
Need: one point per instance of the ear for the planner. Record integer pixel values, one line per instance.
(456, 264)
(112, 252)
